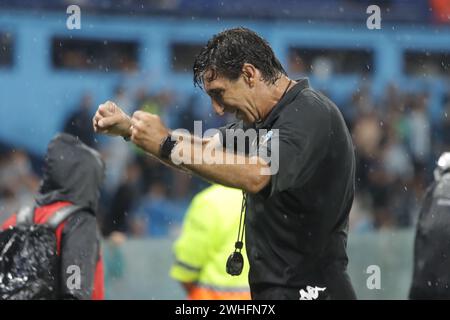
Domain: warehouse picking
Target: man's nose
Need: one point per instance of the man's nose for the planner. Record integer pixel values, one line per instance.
(217, 107)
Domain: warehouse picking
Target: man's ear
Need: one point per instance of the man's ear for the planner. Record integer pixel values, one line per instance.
(249, 73)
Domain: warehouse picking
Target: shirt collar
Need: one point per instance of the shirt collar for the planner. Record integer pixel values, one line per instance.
(279, 106)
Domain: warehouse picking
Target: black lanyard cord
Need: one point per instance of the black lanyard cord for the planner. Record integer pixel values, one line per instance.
(240, 239)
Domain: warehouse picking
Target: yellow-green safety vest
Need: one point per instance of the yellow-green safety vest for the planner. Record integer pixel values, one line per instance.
(207, 238)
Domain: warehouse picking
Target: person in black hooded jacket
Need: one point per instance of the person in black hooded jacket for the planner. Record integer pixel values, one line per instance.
(431, 272)
(73, 174)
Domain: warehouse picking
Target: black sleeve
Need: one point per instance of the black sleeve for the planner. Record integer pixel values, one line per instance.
(302, 142)
(79, 248)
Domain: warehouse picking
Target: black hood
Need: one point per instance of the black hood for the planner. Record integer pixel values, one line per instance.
(73, 172)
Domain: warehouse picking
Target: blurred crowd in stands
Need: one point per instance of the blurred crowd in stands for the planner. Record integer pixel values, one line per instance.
(396, 146)
(141, 197)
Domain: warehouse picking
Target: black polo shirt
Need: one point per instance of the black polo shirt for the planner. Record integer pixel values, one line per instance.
(296, 227)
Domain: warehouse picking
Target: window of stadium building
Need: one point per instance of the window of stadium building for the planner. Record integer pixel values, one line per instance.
(427, 63)
(324, 61)
(94, 54)
(183, 55)
(6, 50)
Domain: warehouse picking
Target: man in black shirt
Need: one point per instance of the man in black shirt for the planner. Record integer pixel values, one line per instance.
(298, 173)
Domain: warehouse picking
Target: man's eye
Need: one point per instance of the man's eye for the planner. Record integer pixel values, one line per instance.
(217, 96)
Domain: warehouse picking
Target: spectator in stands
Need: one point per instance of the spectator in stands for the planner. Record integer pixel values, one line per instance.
(18, 182)
(419, 135)
(399, 169)
(154, 213)
(76, 122)
(117, 218)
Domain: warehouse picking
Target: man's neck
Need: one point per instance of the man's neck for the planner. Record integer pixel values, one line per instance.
(276, 92)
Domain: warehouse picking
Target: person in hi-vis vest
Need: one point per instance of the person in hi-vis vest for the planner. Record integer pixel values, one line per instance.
(208, 237)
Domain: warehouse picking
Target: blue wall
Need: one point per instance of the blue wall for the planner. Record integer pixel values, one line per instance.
(35, 98)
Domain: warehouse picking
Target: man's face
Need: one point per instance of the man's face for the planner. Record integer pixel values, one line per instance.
(231, 96)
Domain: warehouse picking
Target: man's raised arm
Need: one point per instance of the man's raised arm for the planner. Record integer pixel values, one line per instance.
(193, 153)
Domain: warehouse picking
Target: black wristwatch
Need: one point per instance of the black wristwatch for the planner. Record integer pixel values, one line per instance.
(167, 146)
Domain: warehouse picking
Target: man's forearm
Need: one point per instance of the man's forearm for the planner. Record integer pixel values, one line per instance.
(216, 165)
(199, 155)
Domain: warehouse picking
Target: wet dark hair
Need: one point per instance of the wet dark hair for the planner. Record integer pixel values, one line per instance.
(226, 52)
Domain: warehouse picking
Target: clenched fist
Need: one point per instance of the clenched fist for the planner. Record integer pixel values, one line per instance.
(110, 119)
(148, 131)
